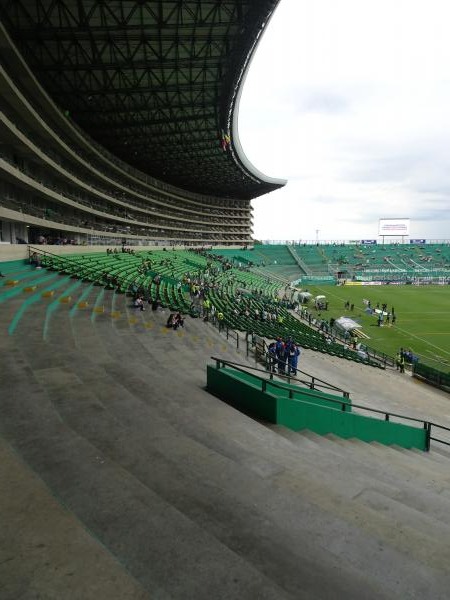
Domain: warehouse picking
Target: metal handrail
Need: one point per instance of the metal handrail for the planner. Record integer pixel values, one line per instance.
(313, 383)
(310, 384)
(34, 249)
(372, 353)
(264, 381)
(427, 425)
(441, 441)
(228, 331)
(386, 414)
(121, 280)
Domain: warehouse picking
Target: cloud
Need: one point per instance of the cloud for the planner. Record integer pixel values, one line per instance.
(349, 101)
(432, 215)
(394, 168)
(321, 100)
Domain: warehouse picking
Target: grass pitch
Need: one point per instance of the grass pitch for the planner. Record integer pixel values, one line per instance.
(423, 318)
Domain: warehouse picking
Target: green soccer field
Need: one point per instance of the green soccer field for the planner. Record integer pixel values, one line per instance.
(423, 318)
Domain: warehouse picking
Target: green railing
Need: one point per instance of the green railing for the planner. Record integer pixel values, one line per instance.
(256, 398)
(431, 375)
(127, 283)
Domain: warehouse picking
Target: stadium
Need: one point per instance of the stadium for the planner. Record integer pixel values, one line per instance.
(186, 411)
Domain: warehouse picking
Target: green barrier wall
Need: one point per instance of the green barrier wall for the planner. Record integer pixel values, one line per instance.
(438, 378)
(304, 415)
(244, 392)
(241, 394)
(294, 392)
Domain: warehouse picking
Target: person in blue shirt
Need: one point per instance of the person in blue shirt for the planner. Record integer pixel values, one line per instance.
(294, 354)
(281, 356)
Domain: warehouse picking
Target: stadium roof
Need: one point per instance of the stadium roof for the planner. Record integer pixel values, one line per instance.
(154, 81)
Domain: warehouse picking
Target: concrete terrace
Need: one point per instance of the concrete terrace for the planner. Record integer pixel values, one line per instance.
(123, 478)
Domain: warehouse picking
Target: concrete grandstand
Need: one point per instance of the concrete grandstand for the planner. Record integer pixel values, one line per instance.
(122, 476)
(158, 86)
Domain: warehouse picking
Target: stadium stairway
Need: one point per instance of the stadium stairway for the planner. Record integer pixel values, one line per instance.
(123, 478)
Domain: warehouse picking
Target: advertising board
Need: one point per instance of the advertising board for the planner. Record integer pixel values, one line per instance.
(394, 227)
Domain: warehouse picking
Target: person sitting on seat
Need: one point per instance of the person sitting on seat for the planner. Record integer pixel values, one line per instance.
(178, 321)
(139, 303)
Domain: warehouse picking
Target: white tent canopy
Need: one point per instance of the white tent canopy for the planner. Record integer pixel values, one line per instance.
(346, 324)
(304, 296)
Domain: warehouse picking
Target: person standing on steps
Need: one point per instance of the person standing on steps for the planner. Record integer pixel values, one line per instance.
(281, 356)
(294, 355)
(272, 357)
(206, 308)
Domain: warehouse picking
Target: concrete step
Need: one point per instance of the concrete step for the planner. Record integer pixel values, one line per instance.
(437, 448)
(294, 437)
(169, 448)
(400, 512)
(320, 440)
(64, 554)
(86, 455)
(427, 499)
(178, 486)
(385, 463)
(434, 456)
(408, 460)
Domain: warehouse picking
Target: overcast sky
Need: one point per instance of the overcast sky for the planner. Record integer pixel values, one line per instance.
(349, 100)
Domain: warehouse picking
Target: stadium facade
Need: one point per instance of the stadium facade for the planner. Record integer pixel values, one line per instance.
(119, 122)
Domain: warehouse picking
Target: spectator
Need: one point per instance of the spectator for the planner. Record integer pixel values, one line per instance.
(178, 321)
(281, 356)
(294, 355)
(272, 357)
(220, 318)
(139, 303)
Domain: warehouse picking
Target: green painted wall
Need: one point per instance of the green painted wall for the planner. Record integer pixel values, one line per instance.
(305, 415)
(244, 392)
(298, 393)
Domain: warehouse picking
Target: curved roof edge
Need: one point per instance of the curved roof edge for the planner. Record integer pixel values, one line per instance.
(173, 147)
(239, 155)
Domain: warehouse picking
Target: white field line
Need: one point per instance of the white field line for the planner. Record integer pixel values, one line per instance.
(409, 334)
